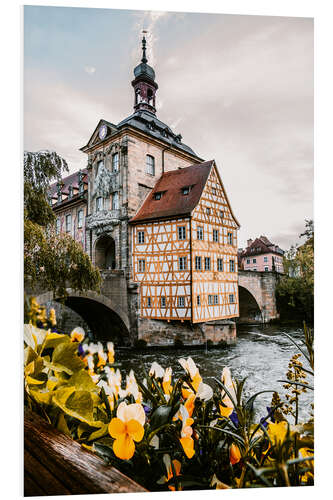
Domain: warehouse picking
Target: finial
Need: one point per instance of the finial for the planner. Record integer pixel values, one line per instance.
(144, 58)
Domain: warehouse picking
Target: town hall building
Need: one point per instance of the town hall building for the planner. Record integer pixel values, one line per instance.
(147, 205)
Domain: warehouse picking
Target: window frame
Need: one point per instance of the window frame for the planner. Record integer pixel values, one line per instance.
(80, 222)
(198, 263)
(181, 232)
(97, 204)
(232, 266)
(230, 238)
(114, 163)
(58, 225)
(200, 232)
(231, 298)
(68, 218)
(181, 298)
(215, 235)
(182, 261)
(207, 261)
(163, 302)
(150, 165)
(141, 265)
(141, 236)
(115, 200)
(220, 264)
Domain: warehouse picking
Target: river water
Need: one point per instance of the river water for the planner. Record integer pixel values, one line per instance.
(262, 354)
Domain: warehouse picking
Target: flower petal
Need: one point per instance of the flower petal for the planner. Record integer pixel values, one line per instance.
(226, 411)
(188, 446)
(124, 447)
(117, 428)
(135, 430)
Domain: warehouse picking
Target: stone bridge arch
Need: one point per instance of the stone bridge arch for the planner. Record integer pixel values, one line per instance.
(106, 319)
(257, 302)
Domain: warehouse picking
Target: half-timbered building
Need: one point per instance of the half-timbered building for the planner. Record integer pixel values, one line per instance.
(184, 251)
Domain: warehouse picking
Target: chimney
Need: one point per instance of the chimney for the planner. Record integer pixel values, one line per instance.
(249, 242)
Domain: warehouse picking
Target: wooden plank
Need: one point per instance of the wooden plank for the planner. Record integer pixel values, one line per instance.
(77, 469)
(35, 471)
(32, 489)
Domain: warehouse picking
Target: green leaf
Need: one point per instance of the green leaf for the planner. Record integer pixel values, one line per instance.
(54, 339)
(160, 416)
(66, 359)
(82, 381)
(103, 431)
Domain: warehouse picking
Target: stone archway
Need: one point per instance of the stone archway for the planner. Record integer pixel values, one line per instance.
(105, 321)
(105, 252)
(249, 310)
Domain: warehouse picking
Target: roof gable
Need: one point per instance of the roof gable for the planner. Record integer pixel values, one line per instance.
(94, 138)
(173, 202)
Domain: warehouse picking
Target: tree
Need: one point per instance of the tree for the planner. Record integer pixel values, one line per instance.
(52, 261)
(295, 290)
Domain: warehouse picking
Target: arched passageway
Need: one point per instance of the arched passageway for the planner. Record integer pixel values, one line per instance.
(249, 310)
(105, 252)
(104, 323)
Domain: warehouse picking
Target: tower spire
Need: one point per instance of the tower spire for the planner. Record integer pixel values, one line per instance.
(144, 58)
(144, 83)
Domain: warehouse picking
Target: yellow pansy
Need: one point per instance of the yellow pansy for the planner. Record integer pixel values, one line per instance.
(126, 428)
(77, 335)
(277, 432)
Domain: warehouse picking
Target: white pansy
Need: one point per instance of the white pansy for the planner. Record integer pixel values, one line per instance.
(156, 370)
(205, 392)
(131, 412)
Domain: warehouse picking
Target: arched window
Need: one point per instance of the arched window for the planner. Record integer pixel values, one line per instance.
(137, 96)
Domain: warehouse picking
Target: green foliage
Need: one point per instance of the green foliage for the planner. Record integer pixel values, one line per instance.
(295, 290)
(52, 261)
(230, 447)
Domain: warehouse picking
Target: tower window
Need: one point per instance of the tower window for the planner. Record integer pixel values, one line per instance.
(150, 165)
(115, 162)
(182, 233)
(141, 236)
(99, 204)
(80, 218)
(68, 223)
(200, 233)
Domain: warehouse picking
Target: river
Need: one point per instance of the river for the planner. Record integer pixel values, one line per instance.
(262, 354)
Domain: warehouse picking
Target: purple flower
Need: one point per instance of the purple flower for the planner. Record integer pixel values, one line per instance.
(147, 409)
(234, 418)
(270, 415)
(80, 349)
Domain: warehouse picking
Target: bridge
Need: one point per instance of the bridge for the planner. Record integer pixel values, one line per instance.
(115, 308)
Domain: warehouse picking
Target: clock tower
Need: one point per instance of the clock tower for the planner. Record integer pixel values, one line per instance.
(144, 84)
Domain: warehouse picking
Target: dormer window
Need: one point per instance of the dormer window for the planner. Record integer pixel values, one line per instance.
(70, 192)
(158, 195)
(81, 188)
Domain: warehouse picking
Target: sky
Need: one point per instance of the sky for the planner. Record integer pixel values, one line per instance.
(238, 88)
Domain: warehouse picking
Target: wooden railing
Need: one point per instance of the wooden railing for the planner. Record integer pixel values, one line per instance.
(54, 464)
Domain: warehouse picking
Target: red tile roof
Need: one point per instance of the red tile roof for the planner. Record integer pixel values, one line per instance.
(173, 202)
(261, 245)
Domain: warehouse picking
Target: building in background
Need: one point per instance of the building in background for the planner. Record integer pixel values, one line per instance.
(261, 255)
(150, 209)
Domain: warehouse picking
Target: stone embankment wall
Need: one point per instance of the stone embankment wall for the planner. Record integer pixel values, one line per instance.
(156, 332)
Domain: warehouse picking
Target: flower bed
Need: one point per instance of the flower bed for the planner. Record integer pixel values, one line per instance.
(163, 432)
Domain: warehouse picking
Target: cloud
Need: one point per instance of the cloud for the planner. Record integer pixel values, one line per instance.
(90, 70)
